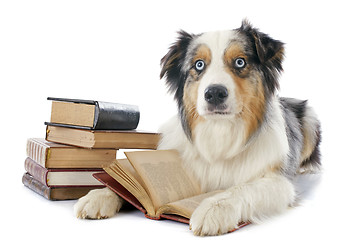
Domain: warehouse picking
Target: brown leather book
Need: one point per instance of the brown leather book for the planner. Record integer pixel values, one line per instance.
(54, 155)
(116, 139)
(62, 177)
(55, 193)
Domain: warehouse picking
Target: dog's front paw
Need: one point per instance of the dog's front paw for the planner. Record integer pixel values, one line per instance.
(98, 204)
(214, 216)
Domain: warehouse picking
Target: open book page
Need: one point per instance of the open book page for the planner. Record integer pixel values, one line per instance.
(123, 172)
(186, 207)
(164, 177)
(129, 169)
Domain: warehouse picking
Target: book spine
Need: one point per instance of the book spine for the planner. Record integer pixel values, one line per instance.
(36, 170)
(37, 151)
(36, 186)
(115, 116)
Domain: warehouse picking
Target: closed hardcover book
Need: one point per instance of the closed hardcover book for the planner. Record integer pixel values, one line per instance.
(114, 139)
(55, 193)
(54, 155)
(62, 177)
(95, 115)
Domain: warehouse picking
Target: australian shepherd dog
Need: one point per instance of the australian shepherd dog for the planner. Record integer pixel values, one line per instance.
(232, 131)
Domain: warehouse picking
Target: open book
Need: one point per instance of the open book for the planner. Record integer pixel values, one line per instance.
(156, 183)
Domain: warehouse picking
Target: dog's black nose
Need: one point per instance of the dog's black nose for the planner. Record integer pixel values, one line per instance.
(216, 94)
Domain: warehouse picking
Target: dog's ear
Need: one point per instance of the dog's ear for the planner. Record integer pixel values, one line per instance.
(171, 68)
(268, 52)
(173, 61)
(267, 48)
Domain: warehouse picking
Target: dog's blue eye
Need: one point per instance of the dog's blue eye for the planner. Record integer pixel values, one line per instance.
(199, 65)
(239, 63)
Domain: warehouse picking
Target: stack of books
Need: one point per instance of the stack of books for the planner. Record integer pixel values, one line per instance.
(79, 154)
(82, 138)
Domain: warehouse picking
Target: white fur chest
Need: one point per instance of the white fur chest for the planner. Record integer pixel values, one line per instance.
(218, 156)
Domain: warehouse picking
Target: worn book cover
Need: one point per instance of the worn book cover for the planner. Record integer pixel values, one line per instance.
(89, 114)
(114, 139)
(54, 155)
(62, 177)
(55, 193)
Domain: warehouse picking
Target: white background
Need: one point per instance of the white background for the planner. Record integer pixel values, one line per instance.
(111, 50)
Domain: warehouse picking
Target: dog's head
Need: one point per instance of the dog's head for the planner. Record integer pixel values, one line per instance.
(223, 75)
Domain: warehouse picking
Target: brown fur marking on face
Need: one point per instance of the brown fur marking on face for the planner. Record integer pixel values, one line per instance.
(249, 89)
(232, 52)
(202, 53)
(190, 99)
(253, 103)
(192, 85)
